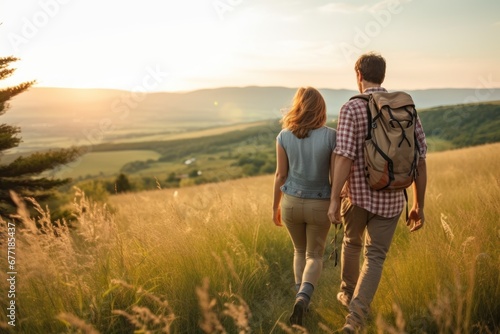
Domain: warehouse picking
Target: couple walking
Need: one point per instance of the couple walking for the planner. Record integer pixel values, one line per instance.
(320, 180)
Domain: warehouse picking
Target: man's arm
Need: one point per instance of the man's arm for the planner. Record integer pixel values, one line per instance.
(416, 217)
(341, 171)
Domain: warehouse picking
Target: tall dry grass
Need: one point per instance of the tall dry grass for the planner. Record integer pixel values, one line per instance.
(208, 259)
(445, 278)
(147, 266)
(219, 232)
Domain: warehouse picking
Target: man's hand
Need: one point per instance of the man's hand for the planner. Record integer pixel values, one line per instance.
(416, 219)
(334, 211)
(277, 217)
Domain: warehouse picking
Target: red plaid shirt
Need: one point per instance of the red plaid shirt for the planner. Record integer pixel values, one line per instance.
(351, 133)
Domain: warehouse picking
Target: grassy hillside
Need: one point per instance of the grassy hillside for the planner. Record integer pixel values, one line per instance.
(249, 151)
(462, 125)
(205, 259)
(246, 149)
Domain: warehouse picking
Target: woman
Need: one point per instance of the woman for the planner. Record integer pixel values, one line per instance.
(304, 150)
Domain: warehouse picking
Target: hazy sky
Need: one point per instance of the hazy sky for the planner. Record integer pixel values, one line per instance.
(172, 45)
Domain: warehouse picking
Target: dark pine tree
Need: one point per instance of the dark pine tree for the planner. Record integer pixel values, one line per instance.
(25, 175)
(122, 184)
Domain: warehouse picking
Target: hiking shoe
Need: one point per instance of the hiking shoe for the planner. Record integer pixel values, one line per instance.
(344, 299)
(298, 312)
(348, 329)
(351, 327)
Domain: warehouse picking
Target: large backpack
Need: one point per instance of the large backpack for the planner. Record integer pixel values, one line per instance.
(391, 149)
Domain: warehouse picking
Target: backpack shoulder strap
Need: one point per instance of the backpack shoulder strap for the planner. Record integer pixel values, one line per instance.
(367, 98)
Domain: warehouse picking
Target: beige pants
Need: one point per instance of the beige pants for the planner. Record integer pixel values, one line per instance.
(377, 240)
(308, 225)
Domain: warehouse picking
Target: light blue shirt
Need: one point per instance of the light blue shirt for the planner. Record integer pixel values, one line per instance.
(308, 162)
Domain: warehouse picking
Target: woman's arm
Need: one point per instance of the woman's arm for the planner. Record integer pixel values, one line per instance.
(332, 167)
(279, 180)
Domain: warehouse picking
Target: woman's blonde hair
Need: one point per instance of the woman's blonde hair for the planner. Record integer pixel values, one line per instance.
(308, 112)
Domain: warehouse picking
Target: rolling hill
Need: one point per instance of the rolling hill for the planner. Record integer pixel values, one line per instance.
(233, 152)
(59, 117)
(228, 130)
(462, 125)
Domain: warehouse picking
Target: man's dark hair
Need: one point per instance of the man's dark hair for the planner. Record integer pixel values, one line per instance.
(372, 67)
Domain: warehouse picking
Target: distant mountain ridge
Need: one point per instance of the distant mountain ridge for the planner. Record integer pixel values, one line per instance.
(64, 116)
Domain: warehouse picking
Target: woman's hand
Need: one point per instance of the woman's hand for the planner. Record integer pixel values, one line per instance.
(277, 216)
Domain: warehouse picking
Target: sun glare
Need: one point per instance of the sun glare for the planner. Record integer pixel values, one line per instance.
(115, 44)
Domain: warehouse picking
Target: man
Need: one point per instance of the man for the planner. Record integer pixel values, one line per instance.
(364, 210)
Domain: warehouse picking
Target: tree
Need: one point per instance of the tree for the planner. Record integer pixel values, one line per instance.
(25, 175)
(122, 184)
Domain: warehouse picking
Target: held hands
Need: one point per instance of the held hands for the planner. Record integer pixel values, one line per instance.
(334, 211)
(416, 219)
(277, 216)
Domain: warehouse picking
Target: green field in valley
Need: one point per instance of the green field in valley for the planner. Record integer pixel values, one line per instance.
(104, 164)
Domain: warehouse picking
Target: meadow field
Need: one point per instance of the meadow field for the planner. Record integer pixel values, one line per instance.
(208, 259)
(103, 163)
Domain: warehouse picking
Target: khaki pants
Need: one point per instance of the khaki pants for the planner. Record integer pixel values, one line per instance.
(308, 225)
(379, 232)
